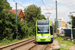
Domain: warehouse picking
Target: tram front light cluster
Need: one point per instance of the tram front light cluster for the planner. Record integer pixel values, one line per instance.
(43, 37)
(37, 36)
(48, 37)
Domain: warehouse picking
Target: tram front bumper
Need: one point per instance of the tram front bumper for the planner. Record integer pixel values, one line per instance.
(43, 39)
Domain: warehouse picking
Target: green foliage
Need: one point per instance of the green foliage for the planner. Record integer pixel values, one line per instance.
(23, 30)
(73, 20)
(33, 13)
(54, 27)
(4, 5)
(64, 41)
(6, 41)
(65, 48)
(42, 17)
(8, 24)
(8, 27)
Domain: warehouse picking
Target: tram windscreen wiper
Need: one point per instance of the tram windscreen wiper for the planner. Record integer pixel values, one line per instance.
(43, 28)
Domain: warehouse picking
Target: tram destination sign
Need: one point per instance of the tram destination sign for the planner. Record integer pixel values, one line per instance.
(43, 22)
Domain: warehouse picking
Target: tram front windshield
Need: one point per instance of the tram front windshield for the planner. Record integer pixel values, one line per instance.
(43, 26)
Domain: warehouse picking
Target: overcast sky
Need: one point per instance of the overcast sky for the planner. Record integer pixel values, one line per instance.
(63, 6)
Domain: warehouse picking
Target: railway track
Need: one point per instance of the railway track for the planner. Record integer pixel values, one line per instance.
(48, 47)
(29, 44)
(41, 47)
(17, 44)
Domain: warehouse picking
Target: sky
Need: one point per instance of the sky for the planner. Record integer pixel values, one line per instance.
(64, 7)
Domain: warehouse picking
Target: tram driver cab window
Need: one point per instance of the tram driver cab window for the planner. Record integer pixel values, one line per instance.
(51, 30)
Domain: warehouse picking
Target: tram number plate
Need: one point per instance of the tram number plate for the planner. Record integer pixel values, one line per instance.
(42, 36)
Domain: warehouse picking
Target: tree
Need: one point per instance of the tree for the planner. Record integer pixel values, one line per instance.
(42, 17)
(7, 25)
(4, 5)
(73, 20)
(33, 13)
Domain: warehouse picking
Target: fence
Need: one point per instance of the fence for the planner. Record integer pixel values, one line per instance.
(68, 32)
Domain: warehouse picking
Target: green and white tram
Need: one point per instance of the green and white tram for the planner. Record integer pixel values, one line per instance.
(44, 31)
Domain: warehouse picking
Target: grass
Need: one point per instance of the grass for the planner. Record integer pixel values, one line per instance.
(30, 37)
(66, 42)
(6, 42)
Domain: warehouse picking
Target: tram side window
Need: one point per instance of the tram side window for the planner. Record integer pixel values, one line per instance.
(38, 30)
(51, 30)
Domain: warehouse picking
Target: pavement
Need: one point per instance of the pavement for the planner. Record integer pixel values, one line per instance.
(72, 48)
(55, 45)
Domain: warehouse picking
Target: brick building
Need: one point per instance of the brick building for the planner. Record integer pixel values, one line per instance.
(19, 12)
(61, 24)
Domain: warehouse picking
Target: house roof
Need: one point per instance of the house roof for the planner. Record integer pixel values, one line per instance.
(14, 11)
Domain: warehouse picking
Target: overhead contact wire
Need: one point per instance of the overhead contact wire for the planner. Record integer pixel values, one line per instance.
(44, 5)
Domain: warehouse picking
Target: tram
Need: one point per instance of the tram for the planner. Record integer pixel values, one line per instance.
(44, 31)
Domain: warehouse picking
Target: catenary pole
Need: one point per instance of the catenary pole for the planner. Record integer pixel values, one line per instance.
(71, 28)
(16, 21)
(56, 17)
